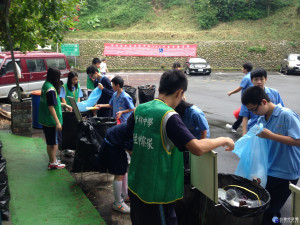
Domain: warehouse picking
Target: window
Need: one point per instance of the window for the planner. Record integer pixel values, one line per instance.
(35, 65)
(9, 66)
(58, 63)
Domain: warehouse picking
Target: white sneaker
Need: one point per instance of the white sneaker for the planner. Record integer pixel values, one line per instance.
(228, 126)
(233, 130)
(121, 207)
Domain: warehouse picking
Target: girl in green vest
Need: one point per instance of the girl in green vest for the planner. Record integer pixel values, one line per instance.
(71, 88)
(50, 115)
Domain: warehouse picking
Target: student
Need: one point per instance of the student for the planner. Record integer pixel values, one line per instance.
(107, 91)
(92, 80)
(103, 67)
(50, 115)
(96, 63)
(258, 78)
(155, 178)
(245, 83)
(71, 88)
(176, 66)
(121, 102)
(112, 158)
(282, 129)
(194, 119)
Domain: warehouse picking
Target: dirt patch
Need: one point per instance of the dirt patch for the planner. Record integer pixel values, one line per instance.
(4, 124)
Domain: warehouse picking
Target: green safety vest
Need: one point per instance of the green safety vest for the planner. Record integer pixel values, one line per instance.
(45, 118)
(89, 83)
(156, 170)
(73, 94)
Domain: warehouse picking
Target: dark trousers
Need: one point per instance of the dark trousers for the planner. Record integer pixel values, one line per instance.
(237, 123)
(279, 192)
(151, 214)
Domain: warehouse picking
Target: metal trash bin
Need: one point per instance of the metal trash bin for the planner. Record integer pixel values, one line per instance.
(36, 96)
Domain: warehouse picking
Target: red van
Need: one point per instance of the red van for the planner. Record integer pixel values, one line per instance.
(34, 66)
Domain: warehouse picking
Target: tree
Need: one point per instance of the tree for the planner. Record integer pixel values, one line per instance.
(35, 22)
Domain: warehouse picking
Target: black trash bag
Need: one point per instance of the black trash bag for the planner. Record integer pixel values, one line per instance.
(131, 91)
(88, 145)
(228, 214)
(4, 190)
(69, 131)
(101, 124)
(146, 93)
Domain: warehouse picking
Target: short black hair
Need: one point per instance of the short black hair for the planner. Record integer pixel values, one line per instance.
(248, 66)
(91, 70)
(95, 61)
(117, 80)
(254, 95)
(176, 65)
(182, 106)
(172, 81)
(258, 72)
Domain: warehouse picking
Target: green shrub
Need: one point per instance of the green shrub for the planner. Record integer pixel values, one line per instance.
(210, 12)
(112, 13)
(257, 49)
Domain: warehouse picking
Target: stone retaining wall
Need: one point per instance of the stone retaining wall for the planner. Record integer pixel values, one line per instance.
(220, 54)
(21, 119)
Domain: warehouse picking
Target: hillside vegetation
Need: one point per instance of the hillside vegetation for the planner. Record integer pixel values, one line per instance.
(179, 20)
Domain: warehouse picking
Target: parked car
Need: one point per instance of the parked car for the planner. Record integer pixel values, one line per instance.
(34, 66)
(290, 64)
(197, 65)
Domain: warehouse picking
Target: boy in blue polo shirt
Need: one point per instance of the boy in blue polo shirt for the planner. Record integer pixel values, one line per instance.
(282, 129)
(245, 83)
(258, 78)
(121, 102)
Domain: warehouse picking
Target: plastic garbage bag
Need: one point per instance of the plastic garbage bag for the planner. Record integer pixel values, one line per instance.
(91, 101)
(131, 91)
(253, 153)
(4, 189)
(146, 93)
(87, 147)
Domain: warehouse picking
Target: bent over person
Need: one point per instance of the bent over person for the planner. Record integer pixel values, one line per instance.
(156, 175)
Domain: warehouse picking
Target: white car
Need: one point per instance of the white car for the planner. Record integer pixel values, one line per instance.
(290, 64)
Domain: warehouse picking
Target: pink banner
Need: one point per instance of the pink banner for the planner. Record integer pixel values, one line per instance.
(113, 49)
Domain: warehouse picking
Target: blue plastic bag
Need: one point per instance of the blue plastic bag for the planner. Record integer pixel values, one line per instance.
(253, 153)
(91, 101)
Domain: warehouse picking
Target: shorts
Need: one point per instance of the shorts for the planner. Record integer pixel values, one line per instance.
(112, 159)
(50, 135)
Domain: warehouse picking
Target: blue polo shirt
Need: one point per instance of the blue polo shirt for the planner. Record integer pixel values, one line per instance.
(246, 82)
(274, 97)
(123, 102)
(194, 119)
(62, 93)
(284, 160)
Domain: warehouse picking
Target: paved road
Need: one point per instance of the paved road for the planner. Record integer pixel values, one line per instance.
(210, 94)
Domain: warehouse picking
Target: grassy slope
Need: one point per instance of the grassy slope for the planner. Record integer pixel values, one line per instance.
(178, 23)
